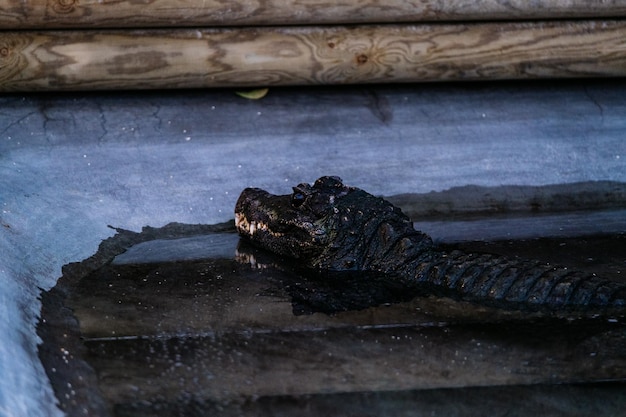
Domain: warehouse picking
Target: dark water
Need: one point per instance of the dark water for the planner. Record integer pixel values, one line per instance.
(176, 322)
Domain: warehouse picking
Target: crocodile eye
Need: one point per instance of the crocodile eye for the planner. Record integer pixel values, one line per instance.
(297, 199)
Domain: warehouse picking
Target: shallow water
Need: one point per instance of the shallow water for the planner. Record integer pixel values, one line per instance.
(190, 322)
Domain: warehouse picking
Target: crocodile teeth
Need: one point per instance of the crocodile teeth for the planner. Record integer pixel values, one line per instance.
(241, 222)
(251, 227)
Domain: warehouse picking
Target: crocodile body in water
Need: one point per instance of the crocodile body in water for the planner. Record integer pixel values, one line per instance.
(331, 226)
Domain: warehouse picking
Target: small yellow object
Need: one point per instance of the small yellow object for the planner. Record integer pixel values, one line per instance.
(253, 94)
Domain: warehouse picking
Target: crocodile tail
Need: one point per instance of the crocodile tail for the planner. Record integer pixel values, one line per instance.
(517, 283)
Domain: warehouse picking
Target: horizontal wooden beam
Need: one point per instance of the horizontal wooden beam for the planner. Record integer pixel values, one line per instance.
(75, 60)
(25, 14)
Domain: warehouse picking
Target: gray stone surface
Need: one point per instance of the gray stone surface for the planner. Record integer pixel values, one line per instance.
(72, 164)
(199, 337)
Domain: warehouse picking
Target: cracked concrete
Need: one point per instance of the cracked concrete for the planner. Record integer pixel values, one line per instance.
(71, 164)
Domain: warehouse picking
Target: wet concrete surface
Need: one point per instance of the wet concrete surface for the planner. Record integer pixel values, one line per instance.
(163, 328)
(72, 164)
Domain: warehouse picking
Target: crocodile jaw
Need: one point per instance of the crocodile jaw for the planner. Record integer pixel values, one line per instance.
(248, 228)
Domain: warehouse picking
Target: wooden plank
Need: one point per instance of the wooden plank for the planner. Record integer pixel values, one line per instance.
(75, 60)
(18, 14)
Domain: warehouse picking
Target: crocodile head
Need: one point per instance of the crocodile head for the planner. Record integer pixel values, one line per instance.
(328, 225)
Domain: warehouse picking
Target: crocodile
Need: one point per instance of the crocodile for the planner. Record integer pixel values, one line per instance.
(329, 226)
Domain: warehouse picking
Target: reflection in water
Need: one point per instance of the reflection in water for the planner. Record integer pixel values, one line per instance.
(173, 327)
(326, 292)
(335, 291)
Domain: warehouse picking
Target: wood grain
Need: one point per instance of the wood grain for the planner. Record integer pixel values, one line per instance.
(75, 60)
(37, 14)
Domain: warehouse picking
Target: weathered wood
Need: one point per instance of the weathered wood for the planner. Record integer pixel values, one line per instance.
(73, 60)
(18, 14)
